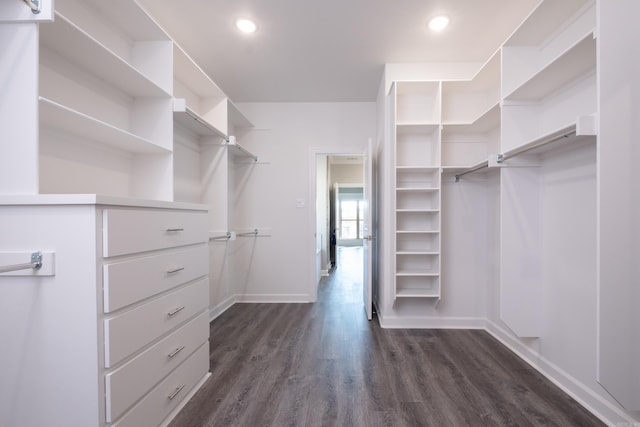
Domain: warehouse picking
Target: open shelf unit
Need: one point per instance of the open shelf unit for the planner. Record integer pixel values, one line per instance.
(549, 72)
(200, 104)
(417, 189)
(549, 91)
(105, 102)
(471, 116)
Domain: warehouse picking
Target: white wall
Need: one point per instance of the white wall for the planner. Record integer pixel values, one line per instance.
(278, 193)
(347, 173)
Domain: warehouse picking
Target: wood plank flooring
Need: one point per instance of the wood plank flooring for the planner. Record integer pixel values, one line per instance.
(324, 364)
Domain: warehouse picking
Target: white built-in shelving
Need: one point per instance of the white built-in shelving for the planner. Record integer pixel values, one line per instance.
(471, 117)
(549, 99)
(105, 102)
(201, 106)
(549, 72)
(416, 136)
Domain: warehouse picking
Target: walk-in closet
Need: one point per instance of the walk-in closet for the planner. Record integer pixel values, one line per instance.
(165, 228)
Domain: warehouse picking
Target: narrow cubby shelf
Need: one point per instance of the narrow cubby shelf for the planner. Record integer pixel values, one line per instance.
(417, 210)
(417, 190)
(68, 41)
(416, 293)
(417, 103)
(58, 116)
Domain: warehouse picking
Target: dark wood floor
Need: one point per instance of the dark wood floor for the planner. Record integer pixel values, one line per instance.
(324, 364)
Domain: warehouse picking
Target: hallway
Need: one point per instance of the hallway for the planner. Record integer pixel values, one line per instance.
(324, 364)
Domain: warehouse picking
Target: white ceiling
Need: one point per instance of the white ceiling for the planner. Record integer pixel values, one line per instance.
(329, 50)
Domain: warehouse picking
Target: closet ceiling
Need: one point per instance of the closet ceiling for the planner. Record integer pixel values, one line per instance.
(329, 50)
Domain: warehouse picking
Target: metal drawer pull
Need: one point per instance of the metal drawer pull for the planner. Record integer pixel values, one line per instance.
(175, 392)
(170, 230)
(175, 270)
(176, 311)
(175, 352)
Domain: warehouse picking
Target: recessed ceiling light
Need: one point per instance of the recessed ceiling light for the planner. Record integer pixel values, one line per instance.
(439, 23)
(246, 25)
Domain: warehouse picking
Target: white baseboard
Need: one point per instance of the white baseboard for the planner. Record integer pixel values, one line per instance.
(431, 322)
(223, 306)
(606, 411)
(273, 298)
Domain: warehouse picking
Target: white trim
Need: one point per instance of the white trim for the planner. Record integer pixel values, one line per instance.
(273, 298)
(324, 273)
(606, 411)
(394, 322)
(223, 306)
(312, 221)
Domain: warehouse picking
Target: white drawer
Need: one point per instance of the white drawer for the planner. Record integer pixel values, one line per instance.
(129, 281)
(130, 231)
(164, 398)
(130, 382)
(133, 329)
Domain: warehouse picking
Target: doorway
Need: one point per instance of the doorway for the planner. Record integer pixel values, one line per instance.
(351, 226)
(344, 182)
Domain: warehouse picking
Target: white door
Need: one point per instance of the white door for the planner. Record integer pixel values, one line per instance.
(368, 231)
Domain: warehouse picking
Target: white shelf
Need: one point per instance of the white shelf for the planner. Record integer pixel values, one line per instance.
(417, 210)
(416, 293)
(487, 121)
(239, 151)
(417, 232)
(79, 48)
(463, 102)
(545, 21)
(417, 190)
(189, 119)
(416, 273)
(192, 76)
(418, 168)
(57, 116)
(429, 253)
(578, 61)
(562, 141)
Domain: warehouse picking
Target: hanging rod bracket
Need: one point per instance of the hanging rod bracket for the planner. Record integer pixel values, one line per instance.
(499, 158)
(35, 5)
(36, 260)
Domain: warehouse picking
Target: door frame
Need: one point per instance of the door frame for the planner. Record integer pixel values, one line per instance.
(311, 221)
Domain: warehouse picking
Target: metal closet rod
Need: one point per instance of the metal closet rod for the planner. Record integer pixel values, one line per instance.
(473, 169)
(222, 236)
(35, 264)
(35, 5)
(502, 157)
(249, 233)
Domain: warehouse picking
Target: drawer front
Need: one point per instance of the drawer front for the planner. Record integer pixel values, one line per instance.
(131, 231)
(134, 280)
(127, 332)
(164, 398)
(130, 382)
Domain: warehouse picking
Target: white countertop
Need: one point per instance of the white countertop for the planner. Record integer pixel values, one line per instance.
(93, 199)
